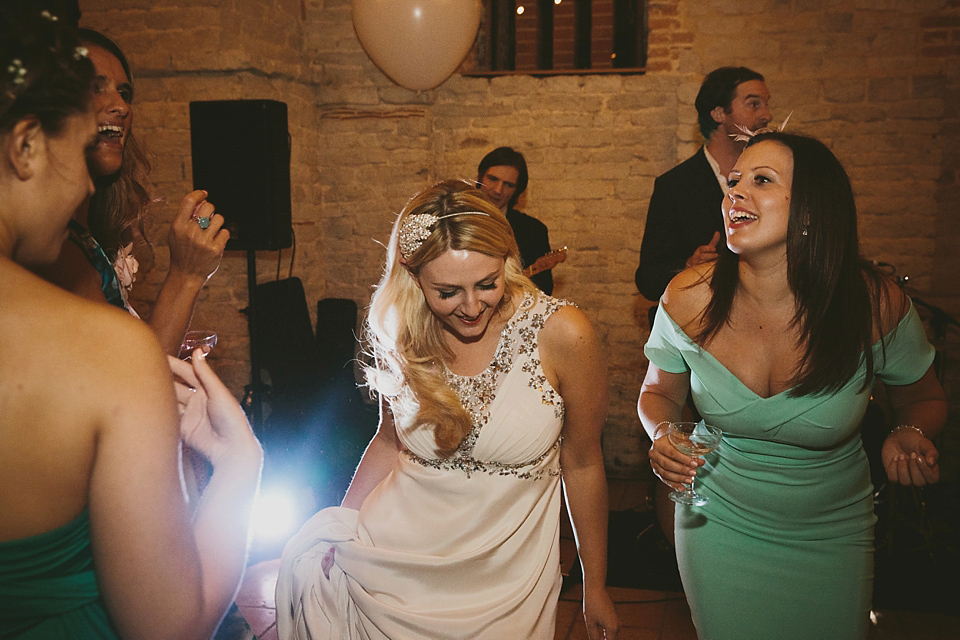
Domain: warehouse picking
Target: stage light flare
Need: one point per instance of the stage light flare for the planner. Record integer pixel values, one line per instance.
(274, 515)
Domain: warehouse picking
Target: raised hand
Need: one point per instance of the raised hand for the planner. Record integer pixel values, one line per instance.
(706, 252)
(212, 421)
(196, 250)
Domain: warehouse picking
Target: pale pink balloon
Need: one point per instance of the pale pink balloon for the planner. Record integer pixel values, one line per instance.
(417, 43)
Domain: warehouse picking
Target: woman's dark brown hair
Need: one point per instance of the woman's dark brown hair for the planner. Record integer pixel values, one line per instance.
(43, 72)
(838, 294)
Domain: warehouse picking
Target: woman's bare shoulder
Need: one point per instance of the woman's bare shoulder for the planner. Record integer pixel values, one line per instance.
(575, 363)
(76, 334)
(83, 371)
(890, 302)
(688, 294)
(565, 327)
(567, 336)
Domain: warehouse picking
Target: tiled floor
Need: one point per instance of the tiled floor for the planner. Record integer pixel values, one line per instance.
(256, 598)
(644, 615)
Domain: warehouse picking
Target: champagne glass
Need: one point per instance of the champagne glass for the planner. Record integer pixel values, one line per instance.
(196, 339)
(694, 439)
(196, 470)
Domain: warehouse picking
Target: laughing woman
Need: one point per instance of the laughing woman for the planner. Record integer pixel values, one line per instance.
(450, 528)
(98, 262)
(780, 341)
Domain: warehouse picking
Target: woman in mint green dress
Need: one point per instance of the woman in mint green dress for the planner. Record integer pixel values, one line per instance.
(780, 341)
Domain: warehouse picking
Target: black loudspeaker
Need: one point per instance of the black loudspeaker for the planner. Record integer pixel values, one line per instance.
(284, 343)
(241, 157)
(336, 338)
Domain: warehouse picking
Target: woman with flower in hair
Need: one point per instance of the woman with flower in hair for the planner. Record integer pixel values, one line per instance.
(491, 393)
(96, 540)
(780, 341)
(99, 261)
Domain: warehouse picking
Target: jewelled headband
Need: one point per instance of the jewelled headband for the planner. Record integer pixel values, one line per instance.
(417, 228)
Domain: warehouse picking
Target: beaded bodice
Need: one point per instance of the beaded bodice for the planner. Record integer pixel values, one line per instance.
(512, 393)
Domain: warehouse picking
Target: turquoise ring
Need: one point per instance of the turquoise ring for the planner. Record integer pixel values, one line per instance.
(203, 222)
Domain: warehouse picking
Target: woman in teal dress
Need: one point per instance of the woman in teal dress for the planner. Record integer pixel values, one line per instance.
(779, 342)
(96, 540)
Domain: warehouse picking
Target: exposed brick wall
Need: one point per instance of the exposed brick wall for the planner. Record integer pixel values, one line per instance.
(526, 36)
(879, 81)
(601, 34)
(940, 35)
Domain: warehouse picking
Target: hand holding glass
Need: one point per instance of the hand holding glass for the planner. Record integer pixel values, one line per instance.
(196, 472)
(694, 439)
(196, 339)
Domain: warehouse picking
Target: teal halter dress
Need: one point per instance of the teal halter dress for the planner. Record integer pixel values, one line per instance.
(109, 283)
(784, 549)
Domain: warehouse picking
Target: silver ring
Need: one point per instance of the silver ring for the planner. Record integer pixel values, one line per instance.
(203, 222)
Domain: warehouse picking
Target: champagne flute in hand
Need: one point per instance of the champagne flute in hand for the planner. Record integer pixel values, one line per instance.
(694, 439)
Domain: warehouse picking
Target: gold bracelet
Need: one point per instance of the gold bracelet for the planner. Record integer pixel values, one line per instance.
(908, 426)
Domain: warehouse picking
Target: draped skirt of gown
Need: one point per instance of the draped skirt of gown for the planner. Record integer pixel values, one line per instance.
(784, 548)
(459, 547)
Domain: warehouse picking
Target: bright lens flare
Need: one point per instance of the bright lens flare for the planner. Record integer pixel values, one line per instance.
(274, 515)
(520, 10)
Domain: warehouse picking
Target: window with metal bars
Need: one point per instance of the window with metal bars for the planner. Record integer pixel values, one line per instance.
(540, 37)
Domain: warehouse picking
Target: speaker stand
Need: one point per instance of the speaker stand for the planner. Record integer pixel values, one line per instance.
(253, 398)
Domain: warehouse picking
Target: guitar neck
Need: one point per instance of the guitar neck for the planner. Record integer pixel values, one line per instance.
(546, 262)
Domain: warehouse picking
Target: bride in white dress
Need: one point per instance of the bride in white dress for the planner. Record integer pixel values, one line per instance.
(491, 394)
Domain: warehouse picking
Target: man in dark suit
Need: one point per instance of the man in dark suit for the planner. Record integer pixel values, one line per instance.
(684, 221)
(502, 175)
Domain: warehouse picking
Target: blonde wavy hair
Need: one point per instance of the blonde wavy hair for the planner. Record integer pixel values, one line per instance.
(405, 338)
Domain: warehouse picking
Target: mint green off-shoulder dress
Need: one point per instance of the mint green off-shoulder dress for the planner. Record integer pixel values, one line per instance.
(784, 549)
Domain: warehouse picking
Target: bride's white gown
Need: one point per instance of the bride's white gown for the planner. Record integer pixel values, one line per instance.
(463, 547)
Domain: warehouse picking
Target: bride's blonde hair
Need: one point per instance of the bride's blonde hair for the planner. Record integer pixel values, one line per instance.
(405, 338)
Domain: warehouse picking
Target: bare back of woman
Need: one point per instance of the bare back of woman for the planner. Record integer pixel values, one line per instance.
(95, 537)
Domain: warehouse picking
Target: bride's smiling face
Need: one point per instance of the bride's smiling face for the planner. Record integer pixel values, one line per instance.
(463, 289)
